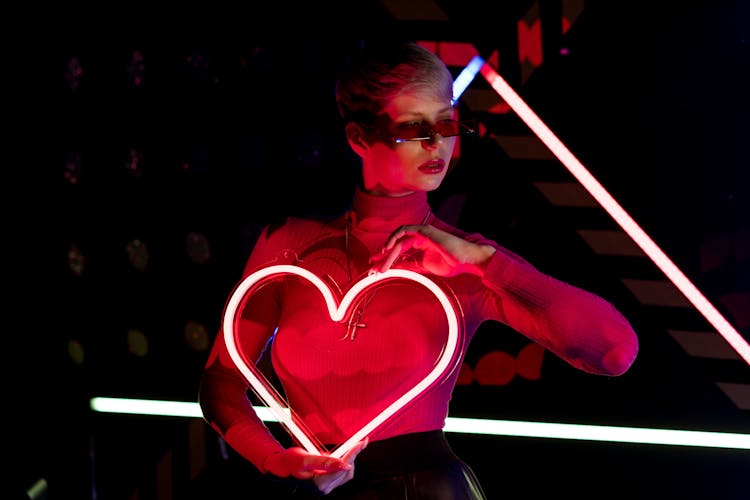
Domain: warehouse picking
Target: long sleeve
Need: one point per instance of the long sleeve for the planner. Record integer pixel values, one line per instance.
(224, 399)
(580, 327)
(226, 407)
(223, 393)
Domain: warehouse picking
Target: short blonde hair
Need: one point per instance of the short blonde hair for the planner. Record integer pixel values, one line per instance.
(379, 71)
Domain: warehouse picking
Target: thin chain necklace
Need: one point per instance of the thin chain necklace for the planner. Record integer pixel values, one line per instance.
(355, 319)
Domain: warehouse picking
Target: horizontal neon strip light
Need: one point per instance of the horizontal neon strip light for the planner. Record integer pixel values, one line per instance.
(616, 211)
(599, 433)
(474, 426)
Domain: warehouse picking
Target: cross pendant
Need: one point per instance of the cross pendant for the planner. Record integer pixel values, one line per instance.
(351, 327)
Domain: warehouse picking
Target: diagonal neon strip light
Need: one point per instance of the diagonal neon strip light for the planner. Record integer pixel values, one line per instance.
(467, 75)
(472, 426)
(614, 209)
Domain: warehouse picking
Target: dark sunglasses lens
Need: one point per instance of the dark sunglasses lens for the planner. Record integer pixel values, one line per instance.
(448, 128)
(413, 133)
(410, 133)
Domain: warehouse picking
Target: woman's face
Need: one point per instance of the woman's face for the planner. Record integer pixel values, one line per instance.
(396, 168)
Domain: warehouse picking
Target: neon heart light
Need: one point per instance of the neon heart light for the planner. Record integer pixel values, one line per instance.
(337, 312)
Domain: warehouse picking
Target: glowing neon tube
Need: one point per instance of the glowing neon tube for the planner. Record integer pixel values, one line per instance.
(336, 313)
(466, 76)
(474, 426)
(617, 212)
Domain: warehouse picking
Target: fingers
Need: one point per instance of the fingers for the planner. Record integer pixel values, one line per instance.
(362, 445)
(318, 464)
(298, 463)
(333, 465)
(399, 242)
(328, 482)
(389, 258)
(350, 455)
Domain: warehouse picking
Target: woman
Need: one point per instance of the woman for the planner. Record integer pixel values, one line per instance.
(396, 103)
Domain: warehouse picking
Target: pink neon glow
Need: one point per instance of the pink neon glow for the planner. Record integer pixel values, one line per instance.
(617, 212)
(337, 313)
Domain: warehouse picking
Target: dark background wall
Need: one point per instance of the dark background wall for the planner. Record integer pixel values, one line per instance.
(157, 144)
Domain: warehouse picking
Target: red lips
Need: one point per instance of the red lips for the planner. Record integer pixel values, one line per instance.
(432, 166)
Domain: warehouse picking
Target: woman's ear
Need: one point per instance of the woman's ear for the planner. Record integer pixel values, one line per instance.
(355, 135)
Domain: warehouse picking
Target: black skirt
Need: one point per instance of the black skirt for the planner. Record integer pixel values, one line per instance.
(419, 466)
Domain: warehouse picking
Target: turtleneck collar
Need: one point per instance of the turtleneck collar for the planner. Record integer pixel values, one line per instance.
(409, 209)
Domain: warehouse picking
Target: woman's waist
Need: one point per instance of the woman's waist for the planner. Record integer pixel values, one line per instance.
(404, 453)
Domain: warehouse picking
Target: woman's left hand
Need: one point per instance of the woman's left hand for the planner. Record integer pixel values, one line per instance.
(326, 482)
(435, 250)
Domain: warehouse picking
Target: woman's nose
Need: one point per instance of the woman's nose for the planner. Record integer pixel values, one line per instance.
(434, 141)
